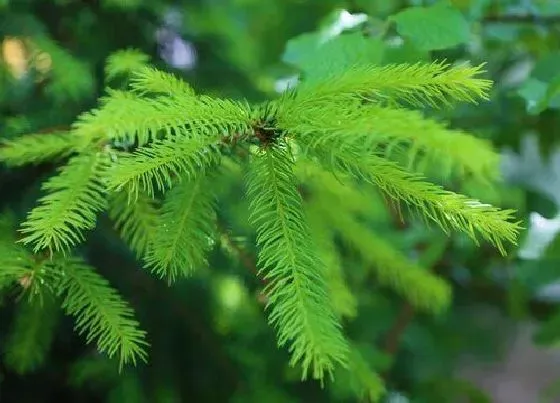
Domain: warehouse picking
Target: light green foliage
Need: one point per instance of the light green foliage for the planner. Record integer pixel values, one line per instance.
(129, 117)
(159, 139)
(432, 28)
(369, 109)
(124, 62)
(19, 266)
(416, 84)
(414, 283)
(343, 300)
(73, 199)
(387, 131)
(31, 334)
(300, 307)
(150, 80)
(366, 381)
(449, 210)
(34, 149)
(162, 162)
(100, 312)
(135, 221)
(182, 238)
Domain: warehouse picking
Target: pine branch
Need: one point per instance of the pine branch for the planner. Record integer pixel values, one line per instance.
(412, 282)
(135, 221)
(183, 237)
(342, 189)
(123, 62)
(447, 209)
(384, 130)
(162, 163)
(297, 290)
(19, 266)
(128, 117)
(37, 148)
(368, 383)
(100, 312)
(343, 300)
(74, 198)
(153, 81)
(31, 335)
(416, 84)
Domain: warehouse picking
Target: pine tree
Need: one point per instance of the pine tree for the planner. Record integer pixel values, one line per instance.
(150, 156)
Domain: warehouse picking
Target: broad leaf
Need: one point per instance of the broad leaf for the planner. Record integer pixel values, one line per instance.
(432, 28)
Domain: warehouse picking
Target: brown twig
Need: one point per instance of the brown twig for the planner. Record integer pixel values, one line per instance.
(248, 261)
(395, 333)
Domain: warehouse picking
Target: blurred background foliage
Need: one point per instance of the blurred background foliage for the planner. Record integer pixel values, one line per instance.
(210, 341)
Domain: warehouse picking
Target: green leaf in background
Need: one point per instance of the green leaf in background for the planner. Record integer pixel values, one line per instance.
(330, 49)
(318, 60)
(298, 48)
(534, 91)
(546, 68)
(431, 28)
(542, 90)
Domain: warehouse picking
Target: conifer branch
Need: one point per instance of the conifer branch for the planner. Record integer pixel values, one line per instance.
(37, 148)
(128, 117)
(412, 282)
(186, 228)
(416, 84)
(385, 130)
(299, 305)
(445, 208)
(100, 312)
(135, 221)
(180, 137)
(163, 162)
(70, 207)
(31, 334)
(153, 81)
(343, 300)
(369, 384)
(125, 62)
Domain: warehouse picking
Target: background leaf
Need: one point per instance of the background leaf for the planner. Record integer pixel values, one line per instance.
(431, 28)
